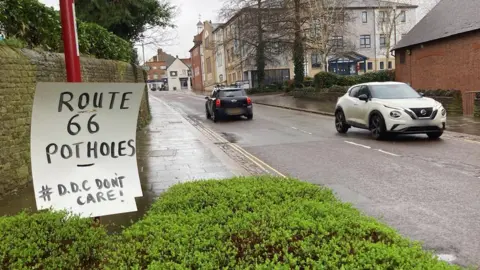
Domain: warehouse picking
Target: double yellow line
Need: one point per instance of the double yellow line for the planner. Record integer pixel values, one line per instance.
(264, 166)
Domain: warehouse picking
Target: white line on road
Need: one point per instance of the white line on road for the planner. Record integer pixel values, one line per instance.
(357, 144)
(301, 130)
(388, 153)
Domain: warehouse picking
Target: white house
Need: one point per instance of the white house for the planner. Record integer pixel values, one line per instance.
(179, 76)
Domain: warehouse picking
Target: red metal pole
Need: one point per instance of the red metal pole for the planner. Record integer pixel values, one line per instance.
(69, 34)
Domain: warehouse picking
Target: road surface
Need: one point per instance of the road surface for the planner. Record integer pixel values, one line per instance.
(427, 190)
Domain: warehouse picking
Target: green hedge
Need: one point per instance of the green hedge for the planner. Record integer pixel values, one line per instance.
(241, 223)
(263, 223)
(39, 26)
(327, 79)
(51, 241)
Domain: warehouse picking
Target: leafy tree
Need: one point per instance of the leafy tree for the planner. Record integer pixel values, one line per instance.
(126, 18)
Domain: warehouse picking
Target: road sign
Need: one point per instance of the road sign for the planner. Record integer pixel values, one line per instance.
(83, 147)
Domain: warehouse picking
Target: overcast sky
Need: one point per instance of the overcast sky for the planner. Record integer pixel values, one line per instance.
(188, 16)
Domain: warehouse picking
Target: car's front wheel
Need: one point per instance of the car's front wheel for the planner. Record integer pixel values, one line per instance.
(340, 122)
(434, 135)
(377, 127)
(249, 116)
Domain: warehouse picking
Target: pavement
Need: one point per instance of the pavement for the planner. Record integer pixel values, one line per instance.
(169, 151)
(461, 124)
(428, 190)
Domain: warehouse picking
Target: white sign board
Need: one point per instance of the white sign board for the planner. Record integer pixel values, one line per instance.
(83, 147)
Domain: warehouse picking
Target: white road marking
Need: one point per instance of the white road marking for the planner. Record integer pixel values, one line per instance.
(301, 130)
(357, 144)
(388, 153)
(446, 257)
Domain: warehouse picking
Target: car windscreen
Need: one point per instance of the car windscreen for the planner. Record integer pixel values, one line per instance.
(393, 91)
(232, 93)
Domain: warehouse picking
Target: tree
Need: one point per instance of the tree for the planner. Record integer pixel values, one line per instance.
(392, 20)
(254, 29)
(328, 25)
(298, 45)
(126, 18)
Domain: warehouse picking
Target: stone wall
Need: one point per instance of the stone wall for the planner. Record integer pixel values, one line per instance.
(20, 70)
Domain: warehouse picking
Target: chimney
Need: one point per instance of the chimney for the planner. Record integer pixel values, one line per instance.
(177, 56)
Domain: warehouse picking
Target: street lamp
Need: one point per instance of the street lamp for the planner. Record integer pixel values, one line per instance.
(143, 48)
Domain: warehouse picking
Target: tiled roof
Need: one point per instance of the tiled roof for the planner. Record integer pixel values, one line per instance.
(377, 4)
(447, 18)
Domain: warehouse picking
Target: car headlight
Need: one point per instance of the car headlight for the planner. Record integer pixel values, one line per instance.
(395, 114)
(444, 112)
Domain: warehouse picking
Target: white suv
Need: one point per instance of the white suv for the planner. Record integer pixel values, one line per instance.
(389, 108)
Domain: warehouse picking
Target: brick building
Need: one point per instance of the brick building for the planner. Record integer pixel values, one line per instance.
(196, 61)
(157, 74)
(443, 51)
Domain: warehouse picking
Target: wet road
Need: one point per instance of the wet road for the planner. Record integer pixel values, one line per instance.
(428, 190)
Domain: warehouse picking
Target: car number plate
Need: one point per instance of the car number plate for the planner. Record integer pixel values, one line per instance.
(235, 111)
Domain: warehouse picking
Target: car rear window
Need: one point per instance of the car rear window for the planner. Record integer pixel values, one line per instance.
(232, 93)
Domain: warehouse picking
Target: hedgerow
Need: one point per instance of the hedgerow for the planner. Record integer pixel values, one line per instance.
(327, 79)
(241, 223)
(39, 26)
(262, 223)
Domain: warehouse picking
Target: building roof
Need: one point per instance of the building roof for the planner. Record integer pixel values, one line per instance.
(217, 26)
(354, 4)
(446, 19)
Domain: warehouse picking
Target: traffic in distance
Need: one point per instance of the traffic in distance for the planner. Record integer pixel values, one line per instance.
(228, 102)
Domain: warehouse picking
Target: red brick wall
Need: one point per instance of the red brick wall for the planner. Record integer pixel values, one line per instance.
(155, 68)
(196, 69)
(451, 63)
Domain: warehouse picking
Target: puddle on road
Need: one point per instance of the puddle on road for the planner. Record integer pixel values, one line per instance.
(232, 138)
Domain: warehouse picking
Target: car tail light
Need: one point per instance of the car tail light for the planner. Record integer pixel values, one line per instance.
(249, 101)
(217, 103)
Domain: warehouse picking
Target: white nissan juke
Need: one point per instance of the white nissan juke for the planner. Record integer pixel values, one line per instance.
(389, 108)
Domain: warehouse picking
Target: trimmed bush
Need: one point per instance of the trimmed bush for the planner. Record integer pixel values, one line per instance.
(39, 26)
(50, 241)
(328, 79)
(261, 223)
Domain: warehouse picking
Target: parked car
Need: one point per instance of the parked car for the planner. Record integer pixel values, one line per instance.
(226, 102)
(153, 89)
(389, 108)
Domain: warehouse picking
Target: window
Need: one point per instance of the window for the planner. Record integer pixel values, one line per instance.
(364, 17)
(163, 67)
(220, 78)
(402, 56)
(354, 92)
(228, 55)
(234, 76)
(364, 91)
(173, 73)
(209, 65)
(337, 42)
(403, 16)
(154, 67)
(365, 41)
(232, 93)
(383, 16)
(382, 65)
(155, 76)
(316, 60)
(189, 73)
(370, 65)
(361, 66)
(394, 91)
(389, 64)
(207, 41)
(219, 59)
(383, 41)
(148, 77)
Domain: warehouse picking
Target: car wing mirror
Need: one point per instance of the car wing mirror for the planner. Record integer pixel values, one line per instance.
(363, 97)
(206, 97)
(421, 94)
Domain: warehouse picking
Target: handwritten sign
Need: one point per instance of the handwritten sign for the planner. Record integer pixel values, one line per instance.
(83, 147)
